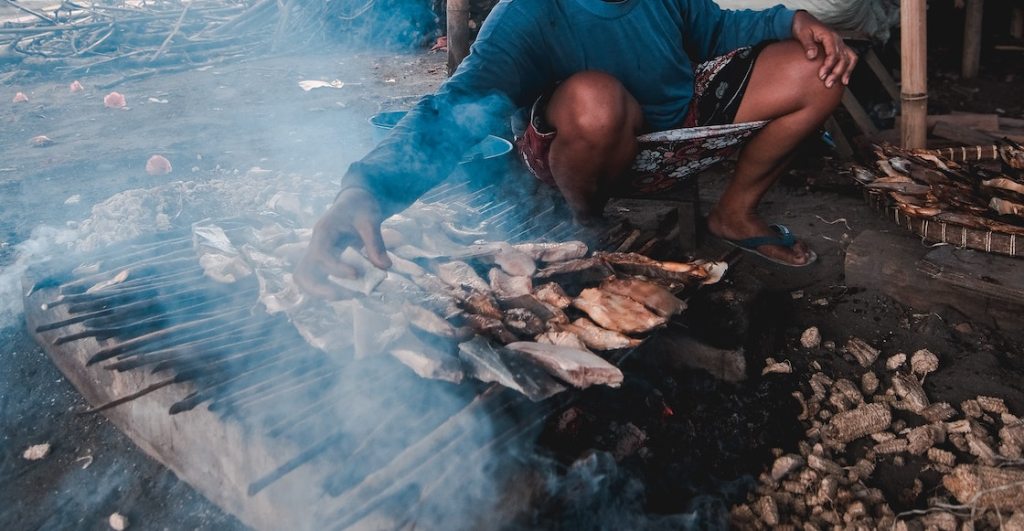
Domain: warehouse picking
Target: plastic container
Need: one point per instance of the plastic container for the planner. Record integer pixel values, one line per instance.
(488, 148)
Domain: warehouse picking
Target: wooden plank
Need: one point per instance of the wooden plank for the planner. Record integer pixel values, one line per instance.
(876, 66)
(1017, 22)
(972, 39)
(914, 73)
(996, 277)
(962, 135)
(857, 112)
(985, 122)
(900, 267)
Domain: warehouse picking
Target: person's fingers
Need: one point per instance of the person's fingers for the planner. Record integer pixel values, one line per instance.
(838, 69)
(806, 39)
(369, 233)
(828, 42)
(323, 256)
(852, 56)
(321, 288)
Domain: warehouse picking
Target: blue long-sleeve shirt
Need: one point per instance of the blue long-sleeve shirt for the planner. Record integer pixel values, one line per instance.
(526, 46)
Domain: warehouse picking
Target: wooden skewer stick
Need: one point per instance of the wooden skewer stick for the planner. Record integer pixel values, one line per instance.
(129, 398)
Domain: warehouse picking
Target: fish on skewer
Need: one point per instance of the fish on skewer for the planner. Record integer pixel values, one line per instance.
(489, 363)
(553, 294)
(553, 252)
(562, 338)
(523, 322)
(505, 286)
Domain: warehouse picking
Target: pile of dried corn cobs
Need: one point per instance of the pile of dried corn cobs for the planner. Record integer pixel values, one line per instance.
(966, 462)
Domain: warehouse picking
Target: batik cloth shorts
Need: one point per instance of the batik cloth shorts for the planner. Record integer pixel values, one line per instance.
(719, 86)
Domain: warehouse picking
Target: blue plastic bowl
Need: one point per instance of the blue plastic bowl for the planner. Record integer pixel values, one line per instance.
(488, 148)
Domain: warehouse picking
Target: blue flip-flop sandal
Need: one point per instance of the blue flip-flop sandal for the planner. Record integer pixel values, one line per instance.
(783, 238)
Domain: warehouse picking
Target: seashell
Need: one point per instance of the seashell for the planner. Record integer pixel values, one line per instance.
(989, 404)
(811, 338)
(894, 446)
(924, 362)
(114, 100)
(864, 354)
(785, 465)
(938, 412)
(942, 457)
(158, 165)
(971, 408)
(869, 383)
(855, 423)
(20, 98)
(987, 487)
(75, 86)
(895, 361)
(768, 510)
(910, 391)
(921, 438)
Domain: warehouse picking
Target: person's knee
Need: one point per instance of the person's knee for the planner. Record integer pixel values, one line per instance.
(803, 76)
(593, 107)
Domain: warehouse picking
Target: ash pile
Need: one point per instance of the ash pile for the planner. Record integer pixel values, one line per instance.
(878, 454)
(353, 399)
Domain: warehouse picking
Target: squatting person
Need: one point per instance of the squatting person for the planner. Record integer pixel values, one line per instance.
(596, 74)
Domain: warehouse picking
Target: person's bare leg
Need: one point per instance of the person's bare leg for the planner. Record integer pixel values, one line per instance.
(784, 88)
(597, 121)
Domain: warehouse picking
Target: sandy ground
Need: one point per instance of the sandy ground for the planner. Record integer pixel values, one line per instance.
(253, 114)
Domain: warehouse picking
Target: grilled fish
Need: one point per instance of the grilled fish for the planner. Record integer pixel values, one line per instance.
(579, 368)
(656, 298)
(616, 312)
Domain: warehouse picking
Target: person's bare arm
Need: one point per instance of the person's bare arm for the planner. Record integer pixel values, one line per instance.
(839, 58)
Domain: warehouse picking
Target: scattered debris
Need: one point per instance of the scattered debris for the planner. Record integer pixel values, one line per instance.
(75, 86)
(118, 522)
(20, 98)
(73, 200)
(864, 354)
(36, 452)
(777, 367)
(41, 141)
(310, 84)
(158, 165)
(811, 338)
(924, 362)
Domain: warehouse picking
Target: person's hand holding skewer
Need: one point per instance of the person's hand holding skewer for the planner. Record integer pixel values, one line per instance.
(816, 37)
(354, 218)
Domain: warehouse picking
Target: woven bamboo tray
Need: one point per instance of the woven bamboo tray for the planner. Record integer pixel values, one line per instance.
(935, 231)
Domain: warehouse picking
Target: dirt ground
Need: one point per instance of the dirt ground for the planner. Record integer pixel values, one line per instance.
(254, 114)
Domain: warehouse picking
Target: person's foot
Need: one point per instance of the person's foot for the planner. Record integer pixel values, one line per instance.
(736, 228)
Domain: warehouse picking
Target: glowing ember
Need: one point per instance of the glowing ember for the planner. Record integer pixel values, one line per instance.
(114, 100)
(20, 98)
(158, 165)
(76, 86)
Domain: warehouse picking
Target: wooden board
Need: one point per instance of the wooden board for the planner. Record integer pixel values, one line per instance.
(217, 457)
(984, 287)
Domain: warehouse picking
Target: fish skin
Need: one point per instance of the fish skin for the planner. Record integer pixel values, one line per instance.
(579, 368)
(656, 298)
(597, 338)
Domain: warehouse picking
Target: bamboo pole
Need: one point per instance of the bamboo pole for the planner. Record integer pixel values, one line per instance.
(972, 39)
(914, 74)
(458, 33)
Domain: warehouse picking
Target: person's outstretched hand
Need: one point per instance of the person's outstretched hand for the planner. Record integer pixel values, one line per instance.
(354, 218)
(839, 58)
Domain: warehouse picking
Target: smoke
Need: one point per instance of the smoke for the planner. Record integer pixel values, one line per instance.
(44, 243)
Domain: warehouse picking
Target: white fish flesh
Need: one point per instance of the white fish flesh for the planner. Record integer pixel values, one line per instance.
(598, 338)
(562, 338)
(489, 363)
(554, 252)
(554, 295)
(579, 368)
(504, 285)
(459, 274)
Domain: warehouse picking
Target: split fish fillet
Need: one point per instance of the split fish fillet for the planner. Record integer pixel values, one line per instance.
(656, 298)
(554, 252)
(505, 285)
(598, 338)
(459, 274)
(489, 363)
(616, 312)
(562, 338)
(554, 295)
(579, 368)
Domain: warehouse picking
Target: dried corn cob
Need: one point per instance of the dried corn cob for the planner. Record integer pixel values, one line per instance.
(987, 487)
(856, 423)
